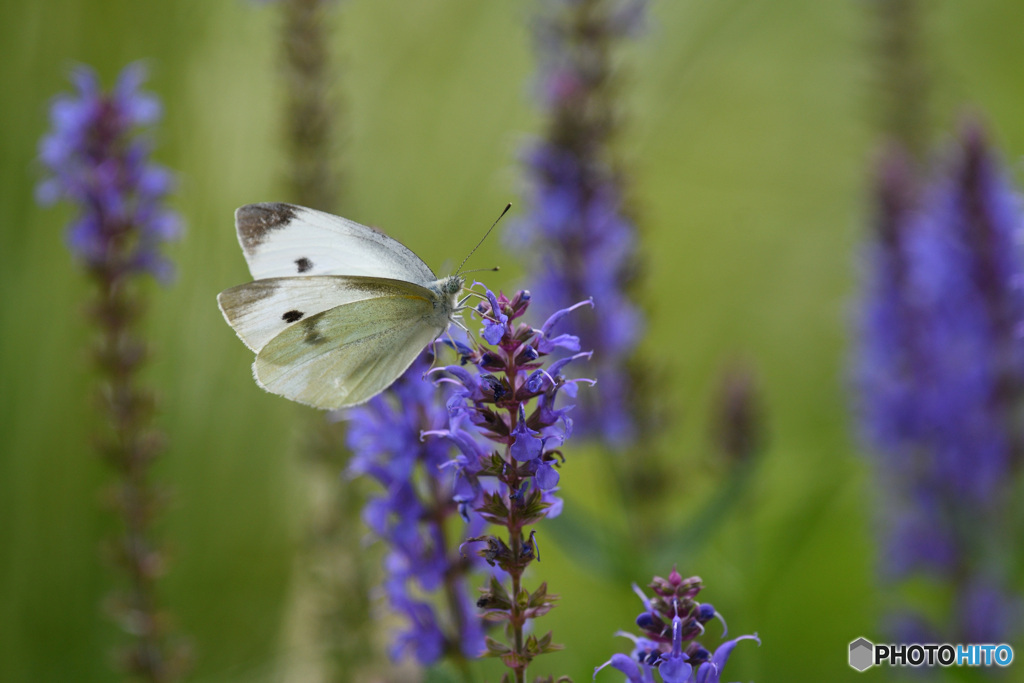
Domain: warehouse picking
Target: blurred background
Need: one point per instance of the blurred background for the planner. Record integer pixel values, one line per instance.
(748, 144)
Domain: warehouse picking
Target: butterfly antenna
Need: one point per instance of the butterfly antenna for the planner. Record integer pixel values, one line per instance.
(507, 207)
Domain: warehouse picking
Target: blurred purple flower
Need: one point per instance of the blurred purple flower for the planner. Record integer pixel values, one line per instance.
(580, 242)
(386, 438)
(671, 622)
(98, 159)
(940, 370)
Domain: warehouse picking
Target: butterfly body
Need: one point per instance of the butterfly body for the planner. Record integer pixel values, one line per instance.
(337, 311)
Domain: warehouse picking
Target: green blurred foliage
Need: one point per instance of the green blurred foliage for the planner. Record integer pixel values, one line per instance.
(749, 143)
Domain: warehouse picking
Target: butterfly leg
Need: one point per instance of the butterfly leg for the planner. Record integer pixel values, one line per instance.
(433, 358)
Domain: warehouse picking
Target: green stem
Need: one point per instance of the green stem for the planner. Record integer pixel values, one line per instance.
(463, 666)
(902, 86)
(517, 619)
(312, 108)
(130, 456)
(515, 535)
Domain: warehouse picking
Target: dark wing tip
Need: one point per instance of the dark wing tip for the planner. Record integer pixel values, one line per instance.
(255, 221)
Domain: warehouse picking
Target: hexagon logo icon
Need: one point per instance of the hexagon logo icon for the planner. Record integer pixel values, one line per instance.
(862, 654)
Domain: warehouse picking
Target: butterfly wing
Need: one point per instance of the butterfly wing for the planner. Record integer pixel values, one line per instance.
(281, 240)
(260, 310)
(348, 354)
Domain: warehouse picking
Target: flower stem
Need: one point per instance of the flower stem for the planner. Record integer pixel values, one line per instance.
(517, 619)
(312, 107)
(515, 536)
(130, 449)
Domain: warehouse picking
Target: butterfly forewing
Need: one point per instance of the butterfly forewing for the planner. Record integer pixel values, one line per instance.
(282, 240)
(334, 359)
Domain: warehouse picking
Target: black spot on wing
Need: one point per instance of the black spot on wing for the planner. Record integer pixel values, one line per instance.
(255, 221)
(304, 264)
(292, 316)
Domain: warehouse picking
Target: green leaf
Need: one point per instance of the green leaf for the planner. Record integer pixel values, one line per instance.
(496, 648)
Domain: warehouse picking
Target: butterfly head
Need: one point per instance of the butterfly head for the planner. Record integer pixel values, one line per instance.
(452, 285)
(447, 290)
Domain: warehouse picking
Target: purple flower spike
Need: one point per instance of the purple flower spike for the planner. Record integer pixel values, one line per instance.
(681, 659)
(424, 639)
(940, 373)
(577, 221)
(505, 396)
(394, 439)
(97, 157)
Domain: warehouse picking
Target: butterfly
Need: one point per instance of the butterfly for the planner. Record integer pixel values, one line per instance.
(336, 311)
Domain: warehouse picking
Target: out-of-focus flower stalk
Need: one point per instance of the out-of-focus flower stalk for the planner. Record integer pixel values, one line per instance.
(579, 237)
(738, 422)
(581, 240)
(425, 575)
(940, 374)
(939, 369)
(311, 122)
(312, 107)
(901, 84)
(98, 160)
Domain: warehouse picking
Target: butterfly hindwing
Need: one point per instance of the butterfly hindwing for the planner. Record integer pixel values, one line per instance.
(260, 310)
(333, 359)
(284, 240)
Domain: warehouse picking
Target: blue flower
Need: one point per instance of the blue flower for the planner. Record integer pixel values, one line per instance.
(389, 437)
(424, 637)
(519, 352)
(678, 657)
(496, 322)
(554, 503)
(97, 157)
(711, 671)
(635, 673)
(526, 443)
(673, 666)
(546, 475)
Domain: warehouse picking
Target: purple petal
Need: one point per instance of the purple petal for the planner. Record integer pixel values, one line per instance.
(547, 476)
(674, 669)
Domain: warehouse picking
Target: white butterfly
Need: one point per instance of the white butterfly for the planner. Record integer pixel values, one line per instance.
(337, 311)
